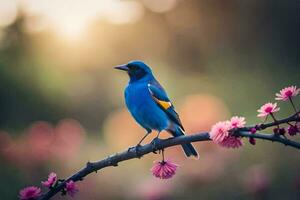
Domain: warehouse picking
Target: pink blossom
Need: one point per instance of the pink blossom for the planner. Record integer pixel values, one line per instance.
(267, 109)
(237, 122)
(219, 131)
(30, 193)
(52, 177)
(232, 142)
(164, 169)
(287, 93)
(71, 188)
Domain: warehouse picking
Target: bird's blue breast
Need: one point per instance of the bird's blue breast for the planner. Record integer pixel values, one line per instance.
(143, 108)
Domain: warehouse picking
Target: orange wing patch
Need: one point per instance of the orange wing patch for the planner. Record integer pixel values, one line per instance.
(164, 104)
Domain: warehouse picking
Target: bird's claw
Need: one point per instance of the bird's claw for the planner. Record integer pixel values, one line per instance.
(154, 144)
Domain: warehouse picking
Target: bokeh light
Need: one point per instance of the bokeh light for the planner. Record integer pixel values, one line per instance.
(8, 12)
(211, 108)
(160, 6)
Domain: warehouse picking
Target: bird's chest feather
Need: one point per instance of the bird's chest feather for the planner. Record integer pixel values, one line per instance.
(143, 108)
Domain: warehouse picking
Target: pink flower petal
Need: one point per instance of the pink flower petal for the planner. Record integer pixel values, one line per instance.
(219, 131)
(267, 109)
(237, 122)
(164, 169)
(232, 142)
(287, 93)
(30, 193)
(71, 188)
(52, 177)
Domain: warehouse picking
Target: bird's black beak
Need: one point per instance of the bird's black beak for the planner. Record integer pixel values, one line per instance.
(122, 67)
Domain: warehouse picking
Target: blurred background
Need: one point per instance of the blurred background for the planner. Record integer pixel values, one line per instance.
(61, 102)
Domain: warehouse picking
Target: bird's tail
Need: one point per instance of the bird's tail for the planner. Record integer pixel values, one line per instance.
(188, 148)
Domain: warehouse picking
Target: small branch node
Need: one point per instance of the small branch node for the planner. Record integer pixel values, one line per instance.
(89, 164)
(111, 161)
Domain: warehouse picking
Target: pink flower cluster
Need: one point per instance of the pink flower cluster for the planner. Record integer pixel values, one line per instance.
(220, 132)
(32, 192)
(285, 94)
(164, 169)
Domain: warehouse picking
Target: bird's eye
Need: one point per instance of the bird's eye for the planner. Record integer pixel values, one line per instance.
(133, 67)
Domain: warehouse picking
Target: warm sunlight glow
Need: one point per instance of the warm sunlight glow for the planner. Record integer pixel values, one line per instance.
(122, 12)
(70, 29)
(69, 19)
(160, 6)
(8, 12)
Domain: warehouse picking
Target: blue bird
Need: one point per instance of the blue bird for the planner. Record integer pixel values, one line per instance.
(149, 104)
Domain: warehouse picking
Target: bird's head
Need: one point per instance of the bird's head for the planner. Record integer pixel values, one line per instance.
(136, 70)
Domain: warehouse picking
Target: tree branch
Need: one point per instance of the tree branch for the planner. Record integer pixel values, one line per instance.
(135, 152)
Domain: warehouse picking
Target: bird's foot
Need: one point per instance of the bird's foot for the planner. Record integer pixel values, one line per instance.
(155, 142)
(136, 149)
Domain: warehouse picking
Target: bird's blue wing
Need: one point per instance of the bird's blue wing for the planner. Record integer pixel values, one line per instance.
(160, 97)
